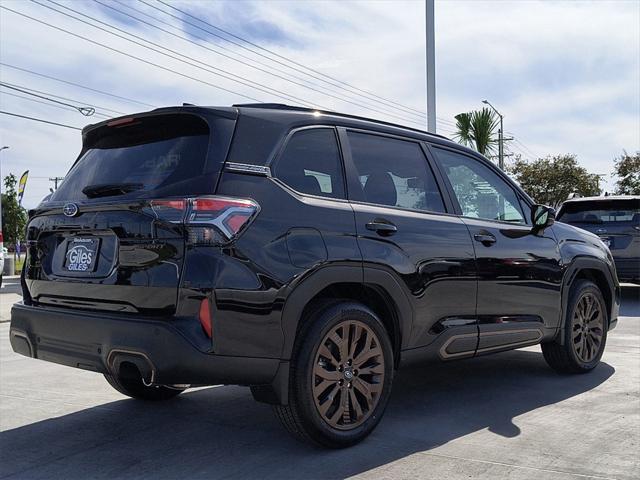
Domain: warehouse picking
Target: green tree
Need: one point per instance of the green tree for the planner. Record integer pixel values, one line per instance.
(478, 130)
(14, 217)
(627, 170)
(551, 180)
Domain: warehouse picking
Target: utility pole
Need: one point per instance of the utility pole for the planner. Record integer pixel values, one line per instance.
(55, 181)
(431, 65)
(500, 136)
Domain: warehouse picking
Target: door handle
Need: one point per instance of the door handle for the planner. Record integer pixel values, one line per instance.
(485, 238)
(382, 227)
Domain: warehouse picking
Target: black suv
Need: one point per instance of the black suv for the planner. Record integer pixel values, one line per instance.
(616, 220)
(303, 253)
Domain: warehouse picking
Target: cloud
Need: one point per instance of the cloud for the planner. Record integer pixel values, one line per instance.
(565, 74)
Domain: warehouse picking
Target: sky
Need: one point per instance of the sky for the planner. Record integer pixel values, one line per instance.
(565, 74)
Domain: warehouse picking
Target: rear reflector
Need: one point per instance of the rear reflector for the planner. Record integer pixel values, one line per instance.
(205, 317)
(209, 220)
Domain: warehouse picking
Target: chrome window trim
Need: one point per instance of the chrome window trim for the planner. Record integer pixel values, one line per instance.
(248, 168)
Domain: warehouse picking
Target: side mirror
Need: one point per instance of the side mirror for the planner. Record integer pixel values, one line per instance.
(542, 217)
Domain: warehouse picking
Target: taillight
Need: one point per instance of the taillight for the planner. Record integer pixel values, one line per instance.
(209, 220)
(170, 210)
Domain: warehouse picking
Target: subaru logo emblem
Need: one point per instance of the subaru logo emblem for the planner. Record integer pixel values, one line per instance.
(70, 209)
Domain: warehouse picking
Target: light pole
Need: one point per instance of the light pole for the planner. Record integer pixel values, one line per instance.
(1, 241)
(431, 65)
(1, 149)
(500, 136)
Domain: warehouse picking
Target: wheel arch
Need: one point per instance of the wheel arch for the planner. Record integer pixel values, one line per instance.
(381, 293)
(596, 271)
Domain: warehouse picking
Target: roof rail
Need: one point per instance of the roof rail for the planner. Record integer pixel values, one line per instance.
(294, 108)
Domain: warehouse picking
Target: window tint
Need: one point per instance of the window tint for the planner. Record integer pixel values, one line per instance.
(162, 155)
(311, 163)
(601, 211)
(481, 193)
(394, 172)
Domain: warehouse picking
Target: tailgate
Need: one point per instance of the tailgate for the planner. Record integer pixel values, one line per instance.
(97, 243)
(116, 259)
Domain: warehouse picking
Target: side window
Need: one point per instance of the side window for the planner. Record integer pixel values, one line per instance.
(394, 172)
(481, 193)
(311, 163)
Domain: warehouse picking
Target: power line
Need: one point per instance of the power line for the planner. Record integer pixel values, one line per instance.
(86, 111)
(210, 69)
(55, 181)
(277, 55)
(130, 100)
(270, 70)
(38, 120)
(446, 121)
(108, 48)
(63, 98)
(527, 149)
(524, 147)
(127, 54)
(46, 103)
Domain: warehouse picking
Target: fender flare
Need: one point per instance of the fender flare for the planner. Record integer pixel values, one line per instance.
(302, 291)
(577, 265)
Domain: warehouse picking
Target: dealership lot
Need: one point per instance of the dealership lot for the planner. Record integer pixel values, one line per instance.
(501, 416)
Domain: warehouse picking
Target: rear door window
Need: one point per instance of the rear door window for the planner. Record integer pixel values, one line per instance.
(394, 172)
(311, 163)
(150, 157)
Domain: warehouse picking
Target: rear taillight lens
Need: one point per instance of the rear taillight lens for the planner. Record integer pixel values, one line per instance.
(209, 220)
(170, 210)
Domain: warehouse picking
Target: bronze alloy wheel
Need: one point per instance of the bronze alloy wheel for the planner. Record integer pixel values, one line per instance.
(348, 375)
(587, 327)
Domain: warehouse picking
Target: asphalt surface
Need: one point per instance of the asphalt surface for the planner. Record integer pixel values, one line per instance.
(501, 416)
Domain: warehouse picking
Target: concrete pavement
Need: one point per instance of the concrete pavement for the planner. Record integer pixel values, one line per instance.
(501, 416)
(10, 293)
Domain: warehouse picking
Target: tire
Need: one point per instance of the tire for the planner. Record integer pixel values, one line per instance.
(134, 388)
(580, 351)
(331, 402)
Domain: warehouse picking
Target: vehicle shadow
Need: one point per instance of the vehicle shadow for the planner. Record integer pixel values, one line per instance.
(221, 432)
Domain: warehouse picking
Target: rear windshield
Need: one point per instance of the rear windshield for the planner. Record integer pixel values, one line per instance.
(601, 211)
(149, 157)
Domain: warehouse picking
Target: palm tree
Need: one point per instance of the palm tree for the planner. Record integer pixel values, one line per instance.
(478, 130)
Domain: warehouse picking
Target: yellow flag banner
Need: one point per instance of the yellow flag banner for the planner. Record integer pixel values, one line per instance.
(21, 184)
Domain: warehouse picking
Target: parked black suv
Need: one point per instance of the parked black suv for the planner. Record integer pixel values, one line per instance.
(305, 254)
(616, 220)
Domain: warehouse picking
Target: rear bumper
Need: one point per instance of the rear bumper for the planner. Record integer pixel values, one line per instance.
(95, 341)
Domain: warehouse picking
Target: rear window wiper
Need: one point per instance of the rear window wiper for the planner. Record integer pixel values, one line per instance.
(110, 189)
